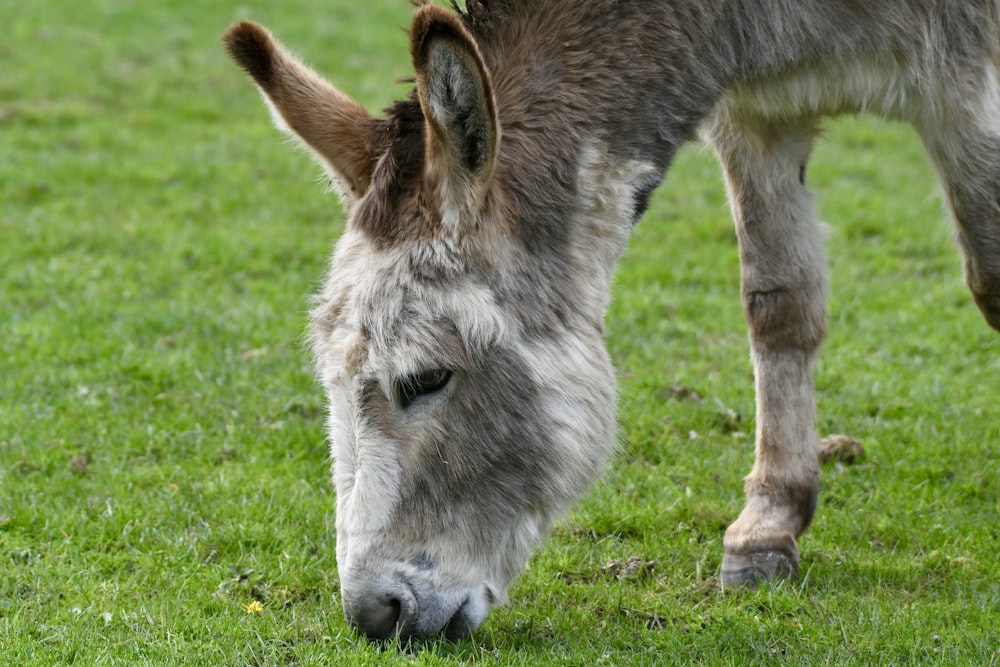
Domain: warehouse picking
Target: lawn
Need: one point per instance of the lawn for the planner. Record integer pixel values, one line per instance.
(164, 482)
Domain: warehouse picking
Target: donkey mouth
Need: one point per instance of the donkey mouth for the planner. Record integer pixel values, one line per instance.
(453, 622)
(463, 622)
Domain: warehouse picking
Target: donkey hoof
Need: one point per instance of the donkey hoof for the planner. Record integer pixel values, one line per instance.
(748, 570)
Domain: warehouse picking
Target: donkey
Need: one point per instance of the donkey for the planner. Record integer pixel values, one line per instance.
(459, 335)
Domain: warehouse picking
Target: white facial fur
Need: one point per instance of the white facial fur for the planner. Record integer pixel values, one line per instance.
(536, 424)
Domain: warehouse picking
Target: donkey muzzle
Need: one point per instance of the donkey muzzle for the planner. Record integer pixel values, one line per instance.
(400, 608)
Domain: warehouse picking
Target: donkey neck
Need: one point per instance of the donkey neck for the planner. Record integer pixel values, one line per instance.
(594, 98)
(636, 76)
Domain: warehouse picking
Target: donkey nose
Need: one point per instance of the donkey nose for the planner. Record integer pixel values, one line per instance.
(383, 612)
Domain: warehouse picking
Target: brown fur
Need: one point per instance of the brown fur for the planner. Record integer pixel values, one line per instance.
(336, 126)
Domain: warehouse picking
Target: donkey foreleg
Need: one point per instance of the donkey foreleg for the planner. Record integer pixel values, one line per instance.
(783, 282)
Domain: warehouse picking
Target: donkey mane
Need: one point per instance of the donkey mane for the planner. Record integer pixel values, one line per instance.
(399, 141)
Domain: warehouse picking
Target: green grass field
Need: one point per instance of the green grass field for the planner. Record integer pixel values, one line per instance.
(164, 487)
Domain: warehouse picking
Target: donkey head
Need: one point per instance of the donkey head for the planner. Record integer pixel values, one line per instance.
(470, 395)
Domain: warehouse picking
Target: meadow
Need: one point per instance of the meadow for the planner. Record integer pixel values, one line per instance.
(164, 480)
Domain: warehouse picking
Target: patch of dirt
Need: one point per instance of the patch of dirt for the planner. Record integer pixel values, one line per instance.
(631, 567)
(841, 448)
(679, 393)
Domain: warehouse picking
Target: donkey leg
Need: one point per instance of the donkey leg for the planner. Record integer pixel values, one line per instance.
(783, 276)
(966, 152)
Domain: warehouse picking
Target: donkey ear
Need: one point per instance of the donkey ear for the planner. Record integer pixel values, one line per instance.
(335, 127)
(456, 96)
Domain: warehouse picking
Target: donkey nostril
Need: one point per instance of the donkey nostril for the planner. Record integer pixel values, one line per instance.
(384, 615)
(378, 619)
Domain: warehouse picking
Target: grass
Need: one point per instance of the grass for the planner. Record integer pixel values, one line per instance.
(164, 491)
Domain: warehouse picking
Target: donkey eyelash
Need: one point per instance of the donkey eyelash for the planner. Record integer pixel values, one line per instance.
(425, 383)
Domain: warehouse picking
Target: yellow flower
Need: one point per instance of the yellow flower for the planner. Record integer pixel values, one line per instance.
(254, 607)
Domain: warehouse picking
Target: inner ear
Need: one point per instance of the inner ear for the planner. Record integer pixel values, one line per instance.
(456, 96)
(456, 103)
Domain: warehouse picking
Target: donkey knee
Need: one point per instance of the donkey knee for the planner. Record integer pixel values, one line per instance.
(788, 316)
(979, 237)
(981, 246)
(989, 304)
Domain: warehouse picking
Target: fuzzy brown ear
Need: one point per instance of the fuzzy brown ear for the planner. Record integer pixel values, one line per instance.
(334, 126)
(456, 96)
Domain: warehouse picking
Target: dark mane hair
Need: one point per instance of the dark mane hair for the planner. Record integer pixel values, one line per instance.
(398, 140)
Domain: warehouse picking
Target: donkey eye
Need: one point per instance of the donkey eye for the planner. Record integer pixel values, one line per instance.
(413, 387)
